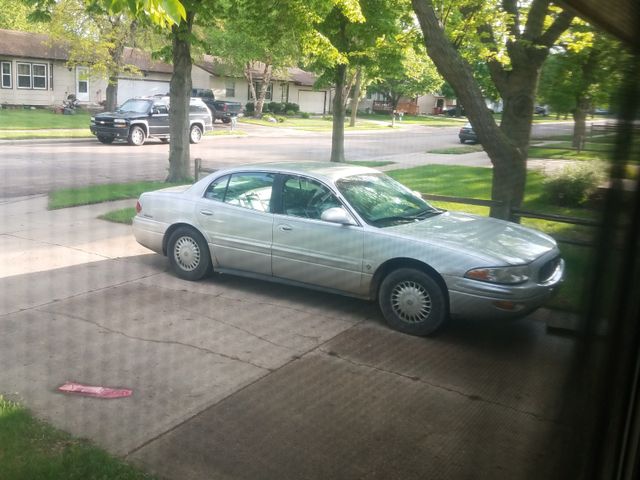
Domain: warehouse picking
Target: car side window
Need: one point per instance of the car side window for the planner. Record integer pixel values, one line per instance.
(303, 197)
(217, 189)
(250, 190)
(160, 108)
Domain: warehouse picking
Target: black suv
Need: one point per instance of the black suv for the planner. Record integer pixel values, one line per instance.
(140, 118)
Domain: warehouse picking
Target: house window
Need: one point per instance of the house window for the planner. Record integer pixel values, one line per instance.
(24, 75)
(230, 89)
(6, 75)
(284, 92)
(32, 75)
(268, 95)
(39, 76)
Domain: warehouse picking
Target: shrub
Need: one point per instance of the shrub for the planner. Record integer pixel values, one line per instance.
(276, 107)
(289, 113)
(291, 107)
(305, 114)
(575, 184)
(249, 108)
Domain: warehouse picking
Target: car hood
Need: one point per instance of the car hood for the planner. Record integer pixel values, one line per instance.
(129, 115)
(480, 236)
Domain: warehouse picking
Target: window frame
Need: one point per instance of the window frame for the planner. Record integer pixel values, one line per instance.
(230, 88)
(44, 76)
(23, 75)
(6, 75)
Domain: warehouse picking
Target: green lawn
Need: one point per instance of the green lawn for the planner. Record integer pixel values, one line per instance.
(314, 124)
(72, 197)
(31, 449)
(39, 119)
(124, 215)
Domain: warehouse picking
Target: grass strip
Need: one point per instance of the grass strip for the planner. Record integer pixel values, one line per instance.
(41, 119)
(32, 449)
(458, 150)
(73, 197)
(124, 215)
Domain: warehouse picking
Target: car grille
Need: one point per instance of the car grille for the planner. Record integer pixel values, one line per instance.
(548, 269)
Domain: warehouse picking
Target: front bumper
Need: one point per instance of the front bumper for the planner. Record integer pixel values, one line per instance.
(113, 132)
(472, 298)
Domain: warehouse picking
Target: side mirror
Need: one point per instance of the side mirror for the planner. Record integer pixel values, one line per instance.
(337, 215)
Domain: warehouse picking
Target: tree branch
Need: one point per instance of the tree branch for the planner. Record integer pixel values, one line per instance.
(511, 7)
(535, 20)
(560, 24)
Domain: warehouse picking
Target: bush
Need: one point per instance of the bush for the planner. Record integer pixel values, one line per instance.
(305, 114)
(291, 107)
(249, 108)
(276, 107)
(575, 184)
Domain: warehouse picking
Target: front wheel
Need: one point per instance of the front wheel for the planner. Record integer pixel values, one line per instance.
(188, 254)
(195, 134)
(136, 136)
(226, 120)
(412, 302)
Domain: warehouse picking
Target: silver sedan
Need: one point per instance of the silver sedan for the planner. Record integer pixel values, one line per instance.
(355, 231)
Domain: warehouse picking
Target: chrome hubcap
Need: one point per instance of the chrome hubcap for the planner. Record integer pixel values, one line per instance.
(137, 136)
(195, 135)
(187, 253)
(411, 302)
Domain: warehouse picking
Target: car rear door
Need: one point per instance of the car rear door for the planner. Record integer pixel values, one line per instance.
(235, 215)
(309, 250)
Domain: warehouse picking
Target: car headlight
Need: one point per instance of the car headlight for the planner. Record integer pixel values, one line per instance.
(119, 120)
(504, 275)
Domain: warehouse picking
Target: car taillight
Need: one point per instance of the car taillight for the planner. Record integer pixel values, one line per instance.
(138, 207)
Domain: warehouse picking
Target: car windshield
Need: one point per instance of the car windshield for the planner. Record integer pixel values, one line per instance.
(382, 202)
(136, 106)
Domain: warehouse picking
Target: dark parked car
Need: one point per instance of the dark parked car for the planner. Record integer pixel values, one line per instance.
(140, 118)
(541, 110)
(222, 110)
(466, 133)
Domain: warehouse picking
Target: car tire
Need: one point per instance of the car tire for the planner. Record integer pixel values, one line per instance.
(463, 141)
(188, 254)
(164, 140)
(226, 120)
(412, 302)
(106, 140)
(195, 134)
(136, 136)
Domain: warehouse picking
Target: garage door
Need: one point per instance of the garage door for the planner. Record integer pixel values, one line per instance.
(140, 88)
(310, 101)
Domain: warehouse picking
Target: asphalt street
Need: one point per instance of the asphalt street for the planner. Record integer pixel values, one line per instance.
(39, 166)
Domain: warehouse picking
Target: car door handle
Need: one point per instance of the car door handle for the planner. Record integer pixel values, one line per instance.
(206, 212)
(285, 228)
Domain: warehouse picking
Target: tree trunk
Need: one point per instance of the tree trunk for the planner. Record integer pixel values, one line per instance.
(509, 162)
(112, 95)
(264, 86)
(355, 99)
(506, 146)
(337, 138)
(580, 125)
(180, 91)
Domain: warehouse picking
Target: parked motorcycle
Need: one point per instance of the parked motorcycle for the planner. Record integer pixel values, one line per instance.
(70, 105)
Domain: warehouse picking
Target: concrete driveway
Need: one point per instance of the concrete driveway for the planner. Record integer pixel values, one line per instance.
(239, 379)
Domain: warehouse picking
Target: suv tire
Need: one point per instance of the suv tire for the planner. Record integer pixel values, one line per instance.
(136, 136)
(195, 134)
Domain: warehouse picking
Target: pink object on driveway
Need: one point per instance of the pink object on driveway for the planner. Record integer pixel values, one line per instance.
(92, 391)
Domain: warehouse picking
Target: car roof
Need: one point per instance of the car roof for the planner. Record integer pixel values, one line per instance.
(328, 171)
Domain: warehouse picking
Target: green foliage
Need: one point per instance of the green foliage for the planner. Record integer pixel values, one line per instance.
(305, 115)
(575, 185)
(249, 108)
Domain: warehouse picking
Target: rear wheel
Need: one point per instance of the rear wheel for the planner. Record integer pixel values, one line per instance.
(226, 120)
(195, 134)
(412, 302)
(136, 136)
(462, 140)
(188, 254)
(104, 139)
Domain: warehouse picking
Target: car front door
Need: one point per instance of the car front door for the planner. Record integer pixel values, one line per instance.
(159, 119)
(235, 214)
(309, 250)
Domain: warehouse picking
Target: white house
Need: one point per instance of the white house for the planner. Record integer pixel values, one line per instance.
(34, 72)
